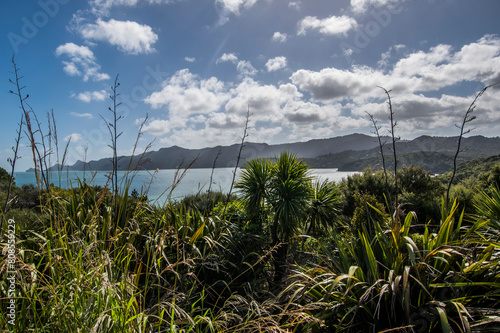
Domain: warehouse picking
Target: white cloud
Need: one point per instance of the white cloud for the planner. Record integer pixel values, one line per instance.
(89, 96)
(279, 37)
(130, 37)
(102, 7)
(81, 62)
(157, 127)
(420, 71)
(185, 94)
(190, 59)
(294, 4)
(328, 102)
(265, 101)
(74, 51)
(235, 6)
(333, 25)
(361, 6)
(231, 57)
(82, 115)
(221, 120)
(245, 68)
(75, 137)
(386, 56)
(275, 64)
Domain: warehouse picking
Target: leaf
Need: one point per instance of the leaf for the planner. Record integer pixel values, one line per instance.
(198, 234)
(444, 320)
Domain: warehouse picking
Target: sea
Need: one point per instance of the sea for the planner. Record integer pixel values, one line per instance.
(163, 185)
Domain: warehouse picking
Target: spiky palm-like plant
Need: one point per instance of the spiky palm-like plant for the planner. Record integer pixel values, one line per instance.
(323, 207)
(253, 185)
(284, 186)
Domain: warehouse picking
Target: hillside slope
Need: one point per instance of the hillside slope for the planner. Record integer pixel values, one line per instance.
(348, 153)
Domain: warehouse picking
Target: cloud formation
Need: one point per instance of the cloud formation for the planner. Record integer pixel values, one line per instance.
(361, 6)
(235, 6)
(74, 137)
(245, 68)
(333, 25)
(82, 115)
(89, 96)
(81, 62)
(279, 37)
(130, 37)
(185, 94)
(228, 57)
(322, 103)
(275, 64)
(102, 7)
(420, 71)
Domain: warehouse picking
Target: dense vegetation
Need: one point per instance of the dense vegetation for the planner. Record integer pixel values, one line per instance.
(288, 253)
(379, 252)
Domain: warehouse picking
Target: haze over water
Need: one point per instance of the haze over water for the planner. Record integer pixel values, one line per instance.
(158, 185)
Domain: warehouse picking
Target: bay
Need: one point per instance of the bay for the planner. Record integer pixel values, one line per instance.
(158, 185)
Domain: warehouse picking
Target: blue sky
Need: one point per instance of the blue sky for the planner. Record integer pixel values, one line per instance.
(305, 69)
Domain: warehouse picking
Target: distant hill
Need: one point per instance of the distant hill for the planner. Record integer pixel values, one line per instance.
(173, 157)
(353, 152)
(435, 154)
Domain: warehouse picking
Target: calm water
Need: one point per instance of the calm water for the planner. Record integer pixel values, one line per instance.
(159, 185)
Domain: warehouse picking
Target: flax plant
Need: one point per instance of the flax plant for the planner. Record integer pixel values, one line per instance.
(396, 280)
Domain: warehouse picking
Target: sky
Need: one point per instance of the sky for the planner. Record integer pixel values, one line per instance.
(194, 70)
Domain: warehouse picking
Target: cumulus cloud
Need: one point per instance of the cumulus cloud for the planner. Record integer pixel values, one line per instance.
(228, 57)
(190, 59)
(81, 62)
(235, 6)
(386, 56)
(74, 137)
(157, 127)
(333, 25)
(361, 6)
(265, 101)
(279, 37)
(245, 68)
(89, 96)
(186, 94)
(275, 64)
(420, 71)
(323, 103)
(221, 120)
(130, 37)
(306, 112)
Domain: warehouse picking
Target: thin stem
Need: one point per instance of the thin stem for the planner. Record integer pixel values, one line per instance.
(394, 140)
(213, 168)
(381, 146)
(468, 117)
(237, 160)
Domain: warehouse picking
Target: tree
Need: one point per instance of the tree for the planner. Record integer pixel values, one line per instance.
(253, 185)
(4, 176)
(285, 185)
(324, 206)
(289, 195)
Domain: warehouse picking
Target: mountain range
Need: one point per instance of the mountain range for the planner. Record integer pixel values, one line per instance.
(353, 152)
